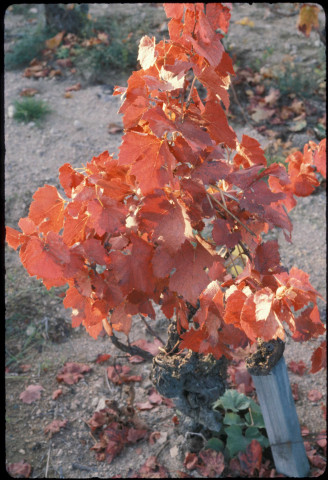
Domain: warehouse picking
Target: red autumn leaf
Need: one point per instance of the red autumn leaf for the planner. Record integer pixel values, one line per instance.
(102, 357)
(166, 221)
(120, 320)
(31, 393)
(217, 125)
(146, 54)
(13, 237)
(267, 257)
(249, 153)
(134, 270)
(190, 278)
(72, 372)
(149, 158)
(55, 426)
(218, 15)
(319, 358)
(213, 463)
(223, 233)
(46, 258)
(20, 469)
(106, 215)
(308, 325)
(314, 395)
(69, 178)
(258, 319)
(47, 209)
(297, 367)
(320, 159)
(251, 459)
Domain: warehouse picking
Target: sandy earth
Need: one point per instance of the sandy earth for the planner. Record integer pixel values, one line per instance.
(37, 323)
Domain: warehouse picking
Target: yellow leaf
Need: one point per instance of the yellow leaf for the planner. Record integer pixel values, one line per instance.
(55, 41)
(245, 21)
(308, 19)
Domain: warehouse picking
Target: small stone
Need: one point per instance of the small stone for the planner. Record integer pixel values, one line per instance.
(174, 451)
(11, 111)
(22, 451)
(77, 124)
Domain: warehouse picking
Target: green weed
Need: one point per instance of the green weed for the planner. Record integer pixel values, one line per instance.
(30, 110)
(28, 47)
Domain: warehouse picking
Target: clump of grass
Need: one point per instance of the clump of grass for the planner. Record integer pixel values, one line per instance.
(28, 47)
(30, 110)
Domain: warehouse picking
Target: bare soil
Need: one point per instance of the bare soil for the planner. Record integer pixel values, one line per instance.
(39, 339)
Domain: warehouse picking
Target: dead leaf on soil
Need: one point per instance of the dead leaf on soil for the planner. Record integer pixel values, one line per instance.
(56, 393)
(72, 372)
(55, 41)
(55, 426)
(20, 469)
(28, 92)
(31, 394)
(314, 395)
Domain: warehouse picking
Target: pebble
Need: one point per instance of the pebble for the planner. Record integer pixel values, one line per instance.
(11, 111)
(77, 124)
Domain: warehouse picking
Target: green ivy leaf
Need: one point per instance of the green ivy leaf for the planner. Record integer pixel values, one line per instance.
(233, 400)
(253, 433)
(216, 444)
(232, 418)
(254, 419)
(236, 442)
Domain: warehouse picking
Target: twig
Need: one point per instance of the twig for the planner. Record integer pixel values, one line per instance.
(150, 329)
(232, 215)
(107, 382)
(48, 459)
(239, 105)
(132, 349)
(162, 448)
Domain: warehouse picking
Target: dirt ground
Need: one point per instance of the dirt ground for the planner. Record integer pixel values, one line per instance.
(39, 339)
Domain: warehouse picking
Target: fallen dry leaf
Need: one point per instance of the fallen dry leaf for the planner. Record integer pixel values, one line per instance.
(73, 88)
(55, 426)
(56, 393)
(246, 22)
(55, 41)
(28, 92)
(20, 469)
(72, 372)
(314, 395)
(31, 394)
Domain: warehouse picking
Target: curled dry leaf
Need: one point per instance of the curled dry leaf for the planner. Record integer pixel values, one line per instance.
(20, 469)
(314, 395)
(72, 372)
(55, 426)
(56, 393)
(31, 394)
(297, 367)
(119, 375)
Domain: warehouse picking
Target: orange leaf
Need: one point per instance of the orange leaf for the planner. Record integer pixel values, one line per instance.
(47, 209)
(308, 19)
(55, 41)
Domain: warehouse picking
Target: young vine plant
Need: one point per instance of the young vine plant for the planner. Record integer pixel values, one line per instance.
(178, 219)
